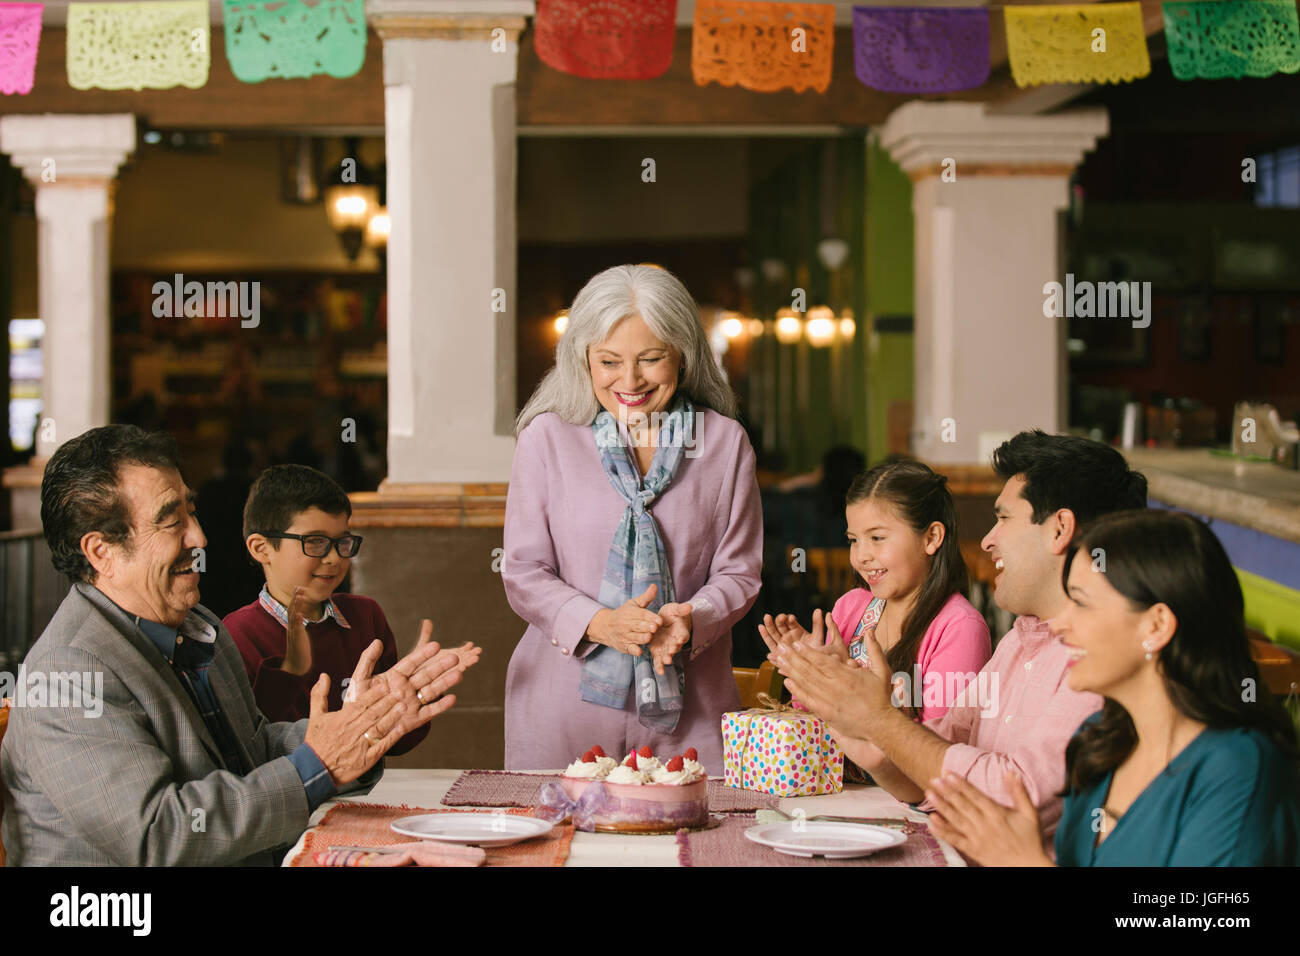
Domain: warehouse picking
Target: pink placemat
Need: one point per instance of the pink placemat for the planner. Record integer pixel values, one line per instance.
(726, 845)
(503, 788)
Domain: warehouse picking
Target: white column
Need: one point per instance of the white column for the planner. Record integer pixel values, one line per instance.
(449, 74)
(71, 160)
(986, 193)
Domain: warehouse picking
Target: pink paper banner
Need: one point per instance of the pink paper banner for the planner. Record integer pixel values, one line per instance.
(20, 35)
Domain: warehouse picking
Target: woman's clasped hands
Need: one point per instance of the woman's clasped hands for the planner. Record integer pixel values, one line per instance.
(631, 626)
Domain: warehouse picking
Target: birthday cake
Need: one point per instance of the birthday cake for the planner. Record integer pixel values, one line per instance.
(641, 794)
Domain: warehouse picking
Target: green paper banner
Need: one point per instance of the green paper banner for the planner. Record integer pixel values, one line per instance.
(1232, 38)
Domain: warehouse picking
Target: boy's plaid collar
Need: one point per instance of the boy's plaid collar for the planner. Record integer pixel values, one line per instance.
(281, 613)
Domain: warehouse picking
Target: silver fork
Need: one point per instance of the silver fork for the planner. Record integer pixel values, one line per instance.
(827, 818)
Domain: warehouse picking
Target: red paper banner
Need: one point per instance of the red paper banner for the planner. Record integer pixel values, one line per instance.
(607, 39)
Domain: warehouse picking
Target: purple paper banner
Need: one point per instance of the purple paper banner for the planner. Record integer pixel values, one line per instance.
(921, 50)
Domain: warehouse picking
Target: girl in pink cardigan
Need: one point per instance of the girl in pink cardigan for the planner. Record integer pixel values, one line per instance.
(902, 532)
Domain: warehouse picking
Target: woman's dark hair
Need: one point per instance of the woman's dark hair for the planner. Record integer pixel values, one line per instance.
(920, 497)
(1166, 557)
(283, 491)
(1063, 471)
(80, 490)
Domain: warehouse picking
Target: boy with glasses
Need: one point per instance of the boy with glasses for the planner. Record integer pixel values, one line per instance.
(296, 528)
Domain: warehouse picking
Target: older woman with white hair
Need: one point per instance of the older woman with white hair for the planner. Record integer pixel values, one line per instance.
(633, 536)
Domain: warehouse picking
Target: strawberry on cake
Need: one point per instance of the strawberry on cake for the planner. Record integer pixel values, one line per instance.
(646, 761)
(680, 770)
(592, 765)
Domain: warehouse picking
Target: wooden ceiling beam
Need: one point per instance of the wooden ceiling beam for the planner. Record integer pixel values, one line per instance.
(224, 103)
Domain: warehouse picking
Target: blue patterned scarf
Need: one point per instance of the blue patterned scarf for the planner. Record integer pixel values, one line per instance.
(637, 560)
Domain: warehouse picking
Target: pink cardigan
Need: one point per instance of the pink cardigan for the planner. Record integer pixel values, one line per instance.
(561, 513)
(955, 645)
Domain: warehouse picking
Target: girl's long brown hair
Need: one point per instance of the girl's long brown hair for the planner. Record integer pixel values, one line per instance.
(920, 497)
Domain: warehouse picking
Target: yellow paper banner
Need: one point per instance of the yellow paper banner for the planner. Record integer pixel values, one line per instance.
(1098, 43)
(763, 46)
(136, 46)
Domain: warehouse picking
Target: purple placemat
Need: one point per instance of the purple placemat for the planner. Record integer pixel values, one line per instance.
(496, 788)
(726, 845)
(724, 799)
(503, 788)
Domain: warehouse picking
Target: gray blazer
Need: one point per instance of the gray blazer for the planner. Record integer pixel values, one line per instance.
(143, 783)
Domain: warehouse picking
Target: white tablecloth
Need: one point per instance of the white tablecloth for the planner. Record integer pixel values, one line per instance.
(425, 788)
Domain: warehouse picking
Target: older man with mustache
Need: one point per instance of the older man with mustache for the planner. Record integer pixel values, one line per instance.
(175, 765)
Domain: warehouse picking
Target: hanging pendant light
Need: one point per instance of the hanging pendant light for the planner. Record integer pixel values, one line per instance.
(351, 200)
(789, 328)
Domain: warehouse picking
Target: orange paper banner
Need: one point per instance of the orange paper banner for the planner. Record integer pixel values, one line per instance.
(763, 46)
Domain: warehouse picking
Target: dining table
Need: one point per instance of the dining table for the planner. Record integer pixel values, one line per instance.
(427, 788)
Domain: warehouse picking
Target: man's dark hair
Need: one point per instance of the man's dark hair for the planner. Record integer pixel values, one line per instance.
(1063, 471)
(283, 491)
(80, 490)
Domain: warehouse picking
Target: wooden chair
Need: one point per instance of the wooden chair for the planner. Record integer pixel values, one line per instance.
(4, 725)
(754, 681)
(832, 575)
(978, 563)
(1279, 667)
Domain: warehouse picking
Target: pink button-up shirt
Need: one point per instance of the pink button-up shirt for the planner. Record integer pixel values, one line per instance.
(1029, 715)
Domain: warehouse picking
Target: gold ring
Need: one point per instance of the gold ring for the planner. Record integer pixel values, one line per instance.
(369, 738)
(419, 694)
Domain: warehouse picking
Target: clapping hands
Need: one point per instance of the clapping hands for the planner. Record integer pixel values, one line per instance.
(297, 645)
(672, 636)
(783, 632)
(379, 710)
(984, 830)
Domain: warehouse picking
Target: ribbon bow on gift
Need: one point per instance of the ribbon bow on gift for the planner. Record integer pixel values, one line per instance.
(769, 705)
(554, 805)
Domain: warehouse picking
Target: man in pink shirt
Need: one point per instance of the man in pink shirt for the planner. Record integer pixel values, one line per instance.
(1053, 485)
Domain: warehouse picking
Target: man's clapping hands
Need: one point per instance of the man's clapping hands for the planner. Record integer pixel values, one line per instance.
(379, 710)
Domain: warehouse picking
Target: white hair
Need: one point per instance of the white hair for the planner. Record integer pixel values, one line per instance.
(607, 299)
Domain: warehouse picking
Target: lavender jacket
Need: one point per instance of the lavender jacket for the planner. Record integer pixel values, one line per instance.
(561, 513)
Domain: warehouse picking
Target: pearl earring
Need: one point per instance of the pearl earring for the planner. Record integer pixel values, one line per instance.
(1148, 646)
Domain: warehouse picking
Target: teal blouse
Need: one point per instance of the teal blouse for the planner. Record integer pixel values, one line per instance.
(1230, 798)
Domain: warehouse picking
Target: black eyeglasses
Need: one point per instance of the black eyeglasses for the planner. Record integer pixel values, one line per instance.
(318, 545)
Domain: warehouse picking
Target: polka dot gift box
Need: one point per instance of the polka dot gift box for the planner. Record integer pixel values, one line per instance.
(784, 752)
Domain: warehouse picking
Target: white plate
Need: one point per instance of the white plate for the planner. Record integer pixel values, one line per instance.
(835, 841)
(478, 829)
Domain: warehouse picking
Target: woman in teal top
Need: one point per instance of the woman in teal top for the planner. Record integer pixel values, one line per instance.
(1190, 762)
(1228, 799)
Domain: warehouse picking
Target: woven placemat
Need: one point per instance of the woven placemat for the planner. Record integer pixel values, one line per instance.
(727, 845)
(498, 788)
(367, 824)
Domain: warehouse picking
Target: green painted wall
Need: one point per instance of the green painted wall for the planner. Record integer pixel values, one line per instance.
(1272, 609)
(887, 357)
(813, 193)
